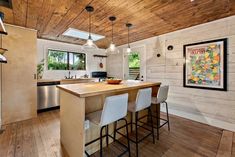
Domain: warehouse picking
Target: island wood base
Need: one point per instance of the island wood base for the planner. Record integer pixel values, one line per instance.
(73, 110)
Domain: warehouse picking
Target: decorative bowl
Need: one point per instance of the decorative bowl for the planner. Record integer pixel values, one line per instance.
(114, 81)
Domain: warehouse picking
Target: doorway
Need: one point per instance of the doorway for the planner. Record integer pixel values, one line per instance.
(134, 64)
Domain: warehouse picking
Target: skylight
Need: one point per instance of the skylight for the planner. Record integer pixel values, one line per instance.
(72, 32)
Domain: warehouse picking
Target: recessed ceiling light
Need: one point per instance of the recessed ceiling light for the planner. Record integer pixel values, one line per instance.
(75, 33)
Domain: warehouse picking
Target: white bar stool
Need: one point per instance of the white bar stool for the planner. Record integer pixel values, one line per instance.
(161, 98)
(143, 102)
(114, 110)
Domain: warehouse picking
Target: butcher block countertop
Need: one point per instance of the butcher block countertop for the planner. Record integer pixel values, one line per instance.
(98, 88)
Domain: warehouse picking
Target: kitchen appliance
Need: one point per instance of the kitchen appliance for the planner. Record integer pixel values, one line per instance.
(102, 75)
(48, 95)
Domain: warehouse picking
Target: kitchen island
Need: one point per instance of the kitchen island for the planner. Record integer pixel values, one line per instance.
(77, 100)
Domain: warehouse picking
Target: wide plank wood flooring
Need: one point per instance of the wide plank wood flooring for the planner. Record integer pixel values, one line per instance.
(40, 137)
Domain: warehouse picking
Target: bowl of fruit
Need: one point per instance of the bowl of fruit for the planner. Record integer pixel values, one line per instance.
(113, 81)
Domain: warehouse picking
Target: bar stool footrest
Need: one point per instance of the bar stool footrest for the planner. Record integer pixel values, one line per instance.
(166, 121)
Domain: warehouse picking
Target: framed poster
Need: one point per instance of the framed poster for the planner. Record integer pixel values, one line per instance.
(206, 65)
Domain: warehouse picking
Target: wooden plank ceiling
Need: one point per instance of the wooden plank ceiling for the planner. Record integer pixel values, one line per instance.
(149, 17)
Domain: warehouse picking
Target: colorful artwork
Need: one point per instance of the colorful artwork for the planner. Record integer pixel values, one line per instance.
(205, 65)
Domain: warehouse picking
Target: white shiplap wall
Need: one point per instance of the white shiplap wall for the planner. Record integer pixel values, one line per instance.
(215, 108)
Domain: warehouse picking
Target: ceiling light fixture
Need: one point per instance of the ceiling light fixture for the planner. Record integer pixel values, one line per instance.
(90, 43)
(128, 50)
(112, 47)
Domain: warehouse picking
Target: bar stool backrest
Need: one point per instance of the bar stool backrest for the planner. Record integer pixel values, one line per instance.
(143, 99)
(162, 94)
(115, 108)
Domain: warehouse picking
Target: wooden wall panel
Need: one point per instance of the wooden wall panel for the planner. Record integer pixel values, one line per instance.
(19, 14)
(150, 18)
(33, 13)
(207, 106)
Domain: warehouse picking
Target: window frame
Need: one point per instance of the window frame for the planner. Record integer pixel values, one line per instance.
(67, 53)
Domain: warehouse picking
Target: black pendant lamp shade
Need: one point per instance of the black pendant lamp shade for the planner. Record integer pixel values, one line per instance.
(2, 32)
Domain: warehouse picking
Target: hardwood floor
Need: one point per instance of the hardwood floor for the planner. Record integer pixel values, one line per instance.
(39, 137)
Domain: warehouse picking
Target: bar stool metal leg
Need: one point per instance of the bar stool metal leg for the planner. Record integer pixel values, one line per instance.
(136, 134)
(168, 120)
(151, 119)
(107, 135)
(101, 140)
(127, 136)
(115, 130)
(87, 154)
(157, 118)
(131, 122)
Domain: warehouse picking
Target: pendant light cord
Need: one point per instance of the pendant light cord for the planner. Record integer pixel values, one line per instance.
(112, 31)
(89, 24)
(128, 37)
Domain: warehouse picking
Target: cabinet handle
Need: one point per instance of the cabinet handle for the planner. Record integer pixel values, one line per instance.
(35, 76)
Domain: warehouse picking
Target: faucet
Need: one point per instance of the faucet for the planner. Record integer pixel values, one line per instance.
(69, 77)
(69, 74)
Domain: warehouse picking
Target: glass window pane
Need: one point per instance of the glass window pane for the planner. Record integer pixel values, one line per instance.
(134, 66)
(77, 61)
(63, 60)
(57, 60)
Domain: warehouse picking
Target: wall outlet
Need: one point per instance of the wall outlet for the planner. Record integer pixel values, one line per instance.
(86, 124)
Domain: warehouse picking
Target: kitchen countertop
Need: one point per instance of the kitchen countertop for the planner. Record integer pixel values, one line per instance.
(97, 88)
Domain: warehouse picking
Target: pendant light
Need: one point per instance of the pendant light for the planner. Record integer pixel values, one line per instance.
(128, 50)
(89, 43)
(112, 47)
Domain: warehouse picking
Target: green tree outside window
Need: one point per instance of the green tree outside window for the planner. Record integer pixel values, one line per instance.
(62, 60)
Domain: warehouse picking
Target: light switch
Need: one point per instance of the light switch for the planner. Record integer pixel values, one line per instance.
(86, 124)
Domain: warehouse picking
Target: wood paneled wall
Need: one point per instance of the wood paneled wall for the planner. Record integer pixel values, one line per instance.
(211, 107)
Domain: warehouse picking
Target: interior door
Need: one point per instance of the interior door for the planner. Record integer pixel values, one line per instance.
(141, 50)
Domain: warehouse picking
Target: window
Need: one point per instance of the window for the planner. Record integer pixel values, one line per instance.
(134, 65)
(63, 60)
(71, 32)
